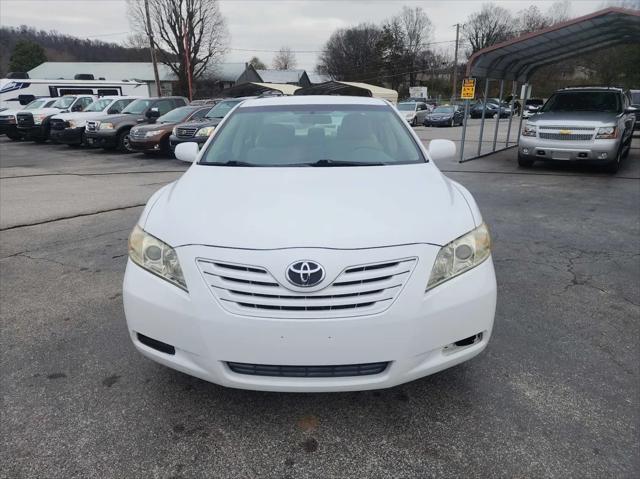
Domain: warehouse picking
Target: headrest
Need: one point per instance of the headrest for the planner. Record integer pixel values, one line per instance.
(274, 135)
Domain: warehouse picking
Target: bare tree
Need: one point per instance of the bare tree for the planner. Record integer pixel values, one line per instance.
(256, 63)
(491, 25)
(200, 21)
(352, 53)
(285, 59)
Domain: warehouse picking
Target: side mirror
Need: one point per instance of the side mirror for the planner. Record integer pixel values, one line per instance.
(631, 109)
(188, 151)
(152, 114)
(441, 150)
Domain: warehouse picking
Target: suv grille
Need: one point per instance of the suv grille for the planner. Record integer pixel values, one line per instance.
(186, 131)
(58, 124)
(576, 133)
(25, 120)
(339, 371)
(137, 134)
(92, 125)
(357, 291)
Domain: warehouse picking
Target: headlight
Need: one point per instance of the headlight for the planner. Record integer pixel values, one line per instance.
(74, 124)
(205, 131)
(607, 133)
(156, 257)
(460, 255)
(173, 132)
(152, 133)
(37, 119)
(529, 130)
(106, 126)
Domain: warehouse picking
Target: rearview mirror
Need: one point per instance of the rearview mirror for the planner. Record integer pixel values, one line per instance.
(441, 150)
(187, 151)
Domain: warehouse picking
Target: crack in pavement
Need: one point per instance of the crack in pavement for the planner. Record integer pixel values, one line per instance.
(80, 215)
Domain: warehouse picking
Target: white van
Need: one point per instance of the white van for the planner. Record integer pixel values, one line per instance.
(17, 92)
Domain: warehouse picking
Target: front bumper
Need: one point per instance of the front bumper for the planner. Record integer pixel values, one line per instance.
(440, 122)
(147, 144)
(175, 141)
(565, 150)
(414, 334)
(70, 136)
(102, 138)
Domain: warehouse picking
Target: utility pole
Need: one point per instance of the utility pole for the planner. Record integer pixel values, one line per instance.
(455, 65)
(152, 47)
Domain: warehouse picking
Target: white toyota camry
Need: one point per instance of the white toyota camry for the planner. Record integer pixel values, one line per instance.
(313, 245)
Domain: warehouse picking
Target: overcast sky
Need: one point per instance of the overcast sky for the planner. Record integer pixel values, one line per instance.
(255, 25)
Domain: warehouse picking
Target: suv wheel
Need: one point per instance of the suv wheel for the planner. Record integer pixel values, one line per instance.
(123, 142)
(614, 165)
(524, 162)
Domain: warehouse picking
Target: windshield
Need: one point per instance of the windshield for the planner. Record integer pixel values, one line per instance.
(312, 135)
(221, 109)
(137, 106)
(177, 115)
(406, 106)
(604, 101)
(635, 98)
(35, 104)
(64, 102)
(443, 109)
(98, 105)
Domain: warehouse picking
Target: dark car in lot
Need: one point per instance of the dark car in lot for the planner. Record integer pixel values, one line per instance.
(8, 117)
(154, 137)
(445, 115)
(634, 100)
(199, 132)
(36, 124)
(493, 110)
(112, 131)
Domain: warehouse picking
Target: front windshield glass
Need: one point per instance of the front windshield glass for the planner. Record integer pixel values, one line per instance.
(406, 106)
(64, 102)
(177, 115)
(443, 109)
(98, 105)
(35, 104)
(604, 101)
(221, 109)
(137, 106)
(312, 135)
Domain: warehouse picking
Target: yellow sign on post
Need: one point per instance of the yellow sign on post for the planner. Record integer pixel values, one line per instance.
(468, 89)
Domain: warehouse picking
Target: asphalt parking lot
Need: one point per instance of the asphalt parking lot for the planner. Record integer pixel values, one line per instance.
(556, 393)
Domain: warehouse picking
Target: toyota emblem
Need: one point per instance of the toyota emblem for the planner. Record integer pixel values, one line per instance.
(305, 273)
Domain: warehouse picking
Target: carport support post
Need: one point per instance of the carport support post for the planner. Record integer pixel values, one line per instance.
(464, 130)
(484, 109)
(524, 98)
(514, 91)
(495, 133)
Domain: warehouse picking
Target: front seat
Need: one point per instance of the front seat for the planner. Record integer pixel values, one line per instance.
(274, 145)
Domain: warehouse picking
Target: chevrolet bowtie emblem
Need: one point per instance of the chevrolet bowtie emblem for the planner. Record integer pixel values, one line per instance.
(565, 132)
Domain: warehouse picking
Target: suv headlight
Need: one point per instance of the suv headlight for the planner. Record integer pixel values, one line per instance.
(174, 131)
(206, 131)
(106, 126)
(607, 133)
(37, 119)
(460, 255)
(529, 130)
(155, 256)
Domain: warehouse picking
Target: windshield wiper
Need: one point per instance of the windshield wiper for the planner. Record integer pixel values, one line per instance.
(233, 163)
(329, 162)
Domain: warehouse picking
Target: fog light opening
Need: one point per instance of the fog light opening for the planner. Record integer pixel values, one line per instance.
(155, 344)
(463, 343)
(541, 152)
(602, 156)
(582, 155)
(525, 151)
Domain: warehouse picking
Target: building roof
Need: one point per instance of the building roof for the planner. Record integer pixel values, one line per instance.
(256, 88)
(228, 72)
(315, 77)
(519, 58)
(142, 71)
(280, 76)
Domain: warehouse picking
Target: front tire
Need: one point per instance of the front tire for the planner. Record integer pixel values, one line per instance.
(14, 136)
(414, 122)
(525, 162)
(614, 165)
(123, 142)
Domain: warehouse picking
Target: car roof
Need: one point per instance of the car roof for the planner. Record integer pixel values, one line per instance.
(591, 88)
(313, 100)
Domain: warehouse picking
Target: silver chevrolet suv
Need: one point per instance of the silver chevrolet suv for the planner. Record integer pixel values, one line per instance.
(586, 123)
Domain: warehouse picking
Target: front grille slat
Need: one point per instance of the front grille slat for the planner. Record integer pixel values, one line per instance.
(254, 291)
(329, 371)
(25, 120)
(186, 132)
(563, 137)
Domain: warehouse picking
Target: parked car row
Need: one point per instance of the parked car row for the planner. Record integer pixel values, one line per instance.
(123, 123)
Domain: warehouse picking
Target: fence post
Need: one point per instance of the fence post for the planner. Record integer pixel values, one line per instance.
(495, 133)
(484, 109)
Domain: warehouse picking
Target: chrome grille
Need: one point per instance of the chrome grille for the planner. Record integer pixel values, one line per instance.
(356, 291)
(92, 125)
(137, 134)
(186, 131)
(566, 133)
(566, 137)
(25, 119)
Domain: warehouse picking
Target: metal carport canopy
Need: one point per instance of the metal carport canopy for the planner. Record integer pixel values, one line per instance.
(519, 58)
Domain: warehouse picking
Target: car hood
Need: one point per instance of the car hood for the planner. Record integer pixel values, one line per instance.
(154, 126)
(42, 111)
(80, 115)
(202, 124)
(573, 118)
(335, 207)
